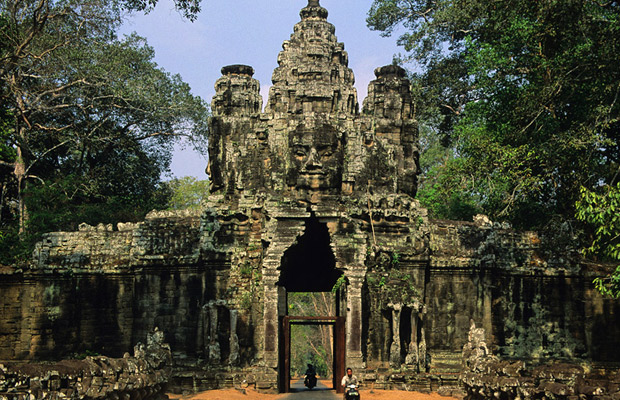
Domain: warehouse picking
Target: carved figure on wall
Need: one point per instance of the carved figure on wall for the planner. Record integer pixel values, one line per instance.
(316, 158)
(395, 357)
(156, 352)
(476, 349)
(413, 356)
(416, 352)
(233, 358)
(209, 324)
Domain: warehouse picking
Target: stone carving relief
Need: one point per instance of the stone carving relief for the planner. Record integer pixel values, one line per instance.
(476, 349)
(416, 352)
(395, 357)
(311, 141)
(316, 156)
(233, 358)
(416, 356)
(210, 326)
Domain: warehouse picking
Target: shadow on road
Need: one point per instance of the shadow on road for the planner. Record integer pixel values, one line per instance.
(320, 392)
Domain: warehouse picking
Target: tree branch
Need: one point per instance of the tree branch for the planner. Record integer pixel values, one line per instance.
(35, 177)
(45, 153)
(7, 164)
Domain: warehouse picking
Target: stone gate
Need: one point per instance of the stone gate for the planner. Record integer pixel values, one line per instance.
(309, 194)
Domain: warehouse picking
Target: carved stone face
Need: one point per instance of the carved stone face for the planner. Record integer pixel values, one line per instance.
(315, 161)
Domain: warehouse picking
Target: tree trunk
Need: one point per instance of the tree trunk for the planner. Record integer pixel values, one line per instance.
(20, 174)
(4, 184)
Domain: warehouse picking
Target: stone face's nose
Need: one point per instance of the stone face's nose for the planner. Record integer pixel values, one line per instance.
(314, 161)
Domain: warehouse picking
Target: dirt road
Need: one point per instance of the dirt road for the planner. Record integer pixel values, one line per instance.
(320, 392)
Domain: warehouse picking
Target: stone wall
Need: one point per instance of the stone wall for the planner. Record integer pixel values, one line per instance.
(533, 303)
(142, 377)
(486, 376)
(98, 289)
(206, 289)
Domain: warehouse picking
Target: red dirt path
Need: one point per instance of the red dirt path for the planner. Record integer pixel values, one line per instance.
(251, 394)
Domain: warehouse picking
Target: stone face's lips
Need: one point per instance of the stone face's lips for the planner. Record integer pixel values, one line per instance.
(312, 173)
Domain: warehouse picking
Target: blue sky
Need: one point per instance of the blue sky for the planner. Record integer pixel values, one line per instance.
(249, 32)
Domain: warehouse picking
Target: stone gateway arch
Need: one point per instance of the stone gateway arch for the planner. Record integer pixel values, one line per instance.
(312, 156)
(309, 193)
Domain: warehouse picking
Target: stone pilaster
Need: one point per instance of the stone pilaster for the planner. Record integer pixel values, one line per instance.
(281, 234)
(270, 320)
(354, 320)
(395, 358)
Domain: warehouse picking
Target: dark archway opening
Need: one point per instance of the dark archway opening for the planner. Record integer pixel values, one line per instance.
(308, 268)
(309, 265)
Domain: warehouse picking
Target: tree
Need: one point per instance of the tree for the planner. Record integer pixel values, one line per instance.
(312, 343)
(187, 192)
(602, 211)
(85, 103)
(441, 188)
(523, 93)
(188, 8)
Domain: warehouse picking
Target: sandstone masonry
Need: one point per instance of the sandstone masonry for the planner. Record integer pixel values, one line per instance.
(309, 194)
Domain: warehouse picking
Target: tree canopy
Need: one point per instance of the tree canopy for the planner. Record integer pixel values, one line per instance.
(519, 106)
(602, 211)
(88, 120)
(187, 192)
(522, 95)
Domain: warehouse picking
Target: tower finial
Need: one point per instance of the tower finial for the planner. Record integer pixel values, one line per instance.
(313, 9)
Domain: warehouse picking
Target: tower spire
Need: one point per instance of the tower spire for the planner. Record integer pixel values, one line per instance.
(313, 10)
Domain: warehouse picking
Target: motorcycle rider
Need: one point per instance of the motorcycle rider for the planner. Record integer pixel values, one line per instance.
(348, 379)
(310, 376)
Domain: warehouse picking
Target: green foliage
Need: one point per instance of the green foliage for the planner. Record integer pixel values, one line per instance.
(342, 280)
(246, 269)
(87, 353)
(391, 283)
(302, 353)
(62, 205)
(87, 120)
(246, 301)
(311, 343)
(521, 97)
(188, 8)
(395, 259)
(187, 192)
(602, 212)
(609, 285)
(14, 246)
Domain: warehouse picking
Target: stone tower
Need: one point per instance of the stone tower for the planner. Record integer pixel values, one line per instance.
(312, 145)
(317, 170)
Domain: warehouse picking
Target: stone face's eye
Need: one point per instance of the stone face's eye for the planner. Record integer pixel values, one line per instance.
(299, 151)
(326, 151)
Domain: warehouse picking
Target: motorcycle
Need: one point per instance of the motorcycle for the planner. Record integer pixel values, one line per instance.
(351, 392)
(310, 381)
